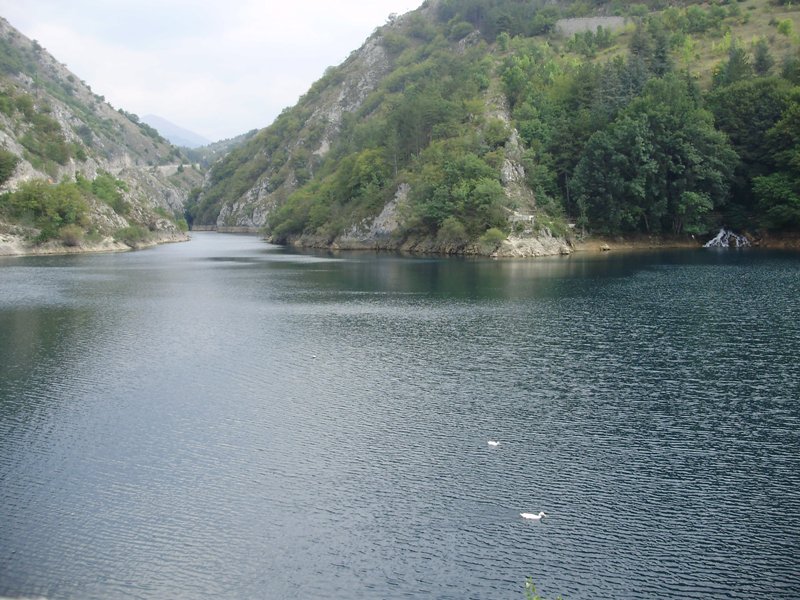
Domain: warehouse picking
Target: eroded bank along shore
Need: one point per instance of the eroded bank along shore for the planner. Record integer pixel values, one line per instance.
(539, 246)
(788, 241)
(12, 244)
(19, 245)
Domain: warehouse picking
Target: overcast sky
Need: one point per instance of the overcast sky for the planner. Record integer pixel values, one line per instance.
(216, 67)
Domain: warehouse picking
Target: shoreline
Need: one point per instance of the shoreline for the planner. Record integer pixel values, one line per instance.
(606, 244)
(527, 248)
(15, 245)
(611, 245)
(12, 246)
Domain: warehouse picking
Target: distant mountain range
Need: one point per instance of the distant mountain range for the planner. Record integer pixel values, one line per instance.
(176, 134)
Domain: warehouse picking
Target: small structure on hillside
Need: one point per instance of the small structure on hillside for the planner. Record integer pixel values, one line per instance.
(569, 27)
(525, 219)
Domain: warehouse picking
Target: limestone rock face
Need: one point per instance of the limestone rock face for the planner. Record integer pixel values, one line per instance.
(370, 64)
(382, 231)
(251, 210)
(363, 71)
(543, 244)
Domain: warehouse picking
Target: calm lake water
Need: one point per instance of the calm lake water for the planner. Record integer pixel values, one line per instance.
(225, 418)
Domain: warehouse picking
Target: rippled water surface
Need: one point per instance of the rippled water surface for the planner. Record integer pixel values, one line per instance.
(225, 418)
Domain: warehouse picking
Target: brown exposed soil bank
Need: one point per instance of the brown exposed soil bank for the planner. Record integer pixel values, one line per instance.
(644, 242)
(16, 245)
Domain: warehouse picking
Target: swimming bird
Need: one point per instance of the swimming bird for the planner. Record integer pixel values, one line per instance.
(533, 516)
(492, 443)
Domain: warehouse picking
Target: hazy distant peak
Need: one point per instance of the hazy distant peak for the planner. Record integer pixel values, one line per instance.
(176, 134)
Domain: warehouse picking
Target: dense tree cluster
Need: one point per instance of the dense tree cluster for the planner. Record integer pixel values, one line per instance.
(46, 207)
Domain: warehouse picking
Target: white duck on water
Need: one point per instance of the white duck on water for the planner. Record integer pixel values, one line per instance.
(532, 516)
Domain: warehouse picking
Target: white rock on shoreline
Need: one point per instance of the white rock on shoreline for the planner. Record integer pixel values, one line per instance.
(17, 245)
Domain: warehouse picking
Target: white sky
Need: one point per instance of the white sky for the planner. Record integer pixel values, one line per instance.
(218, 68)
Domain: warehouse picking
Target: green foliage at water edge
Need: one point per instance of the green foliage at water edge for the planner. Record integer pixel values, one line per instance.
(46, 207)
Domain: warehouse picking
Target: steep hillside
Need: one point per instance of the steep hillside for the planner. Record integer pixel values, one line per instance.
(483, 126)
(68, 159)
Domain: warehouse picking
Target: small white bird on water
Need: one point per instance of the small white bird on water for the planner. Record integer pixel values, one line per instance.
(493, 443)
(533, 516)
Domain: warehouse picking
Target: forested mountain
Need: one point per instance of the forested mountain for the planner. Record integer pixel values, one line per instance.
(74, 171)
(467, 121)
(206, 155)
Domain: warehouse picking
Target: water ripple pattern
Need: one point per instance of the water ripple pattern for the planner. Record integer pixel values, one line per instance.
(226, 418)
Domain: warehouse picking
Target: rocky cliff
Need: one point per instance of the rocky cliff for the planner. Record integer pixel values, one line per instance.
(247, 186)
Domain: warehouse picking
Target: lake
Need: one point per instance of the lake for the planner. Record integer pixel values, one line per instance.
(227, 418)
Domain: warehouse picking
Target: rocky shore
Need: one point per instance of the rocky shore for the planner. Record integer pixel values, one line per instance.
(789, 241)
(12, 244)
(532, 246)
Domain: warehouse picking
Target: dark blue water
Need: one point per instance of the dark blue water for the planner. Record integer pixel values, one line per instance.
(225, 418)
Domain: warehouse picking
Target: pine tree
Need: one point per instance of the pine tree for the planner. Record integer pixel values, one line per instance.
(762, 59)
